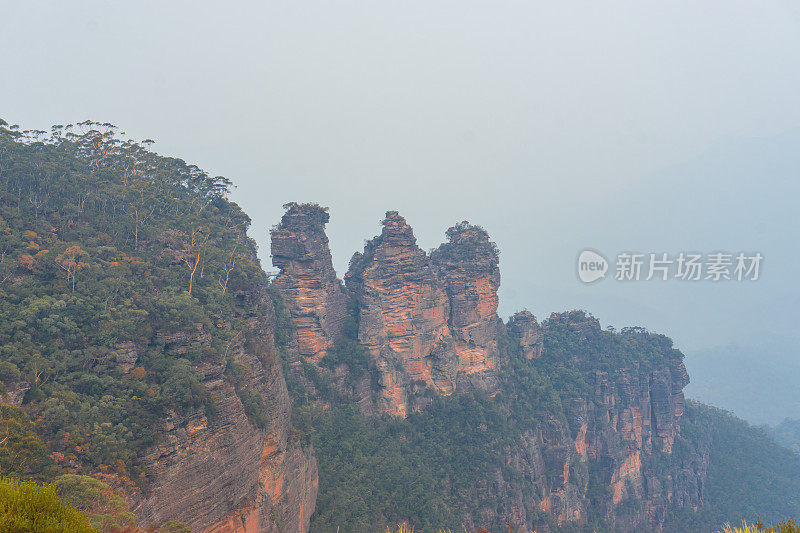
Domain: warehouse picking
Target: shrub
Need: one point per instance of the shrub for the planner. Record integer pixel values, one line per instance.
(27, 506)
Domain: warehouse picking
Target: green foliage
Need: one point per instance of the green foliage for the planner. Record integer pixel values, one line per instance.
(787, 434)
(577, 354)
(114, 257)
(284, 328)
(350, 353)
(27, 506)
(173, 526)
(22, 452)
(749, 476)
(378, 472)
(106, 509)
(784, 526)
(254, 406)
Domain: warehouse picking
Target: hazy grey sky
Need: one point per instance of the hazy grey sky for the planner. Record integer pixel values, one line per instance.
(641, 126)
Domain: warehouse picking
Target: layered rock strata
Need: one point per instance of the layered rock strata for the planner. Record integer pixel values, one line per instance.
(430, 325)
(219, 472)
(631, 413)
(468, 264)
(307, 281)
(427, 321)
(403, 318)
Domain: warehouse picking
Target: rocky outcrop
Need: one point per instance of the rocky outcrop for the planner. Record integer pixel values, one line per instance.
(13, 391)
(127, 355)
(430, 326)
(217, 471)
(307, 281)
(403, 318)
(468, 264)
(606, 454)
(428, 322)
(526, 330)
(631, 412)
(633, 415)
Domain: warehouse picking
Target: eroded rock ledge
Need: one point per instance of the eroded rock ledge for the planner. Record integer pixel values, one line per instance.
(468, 264)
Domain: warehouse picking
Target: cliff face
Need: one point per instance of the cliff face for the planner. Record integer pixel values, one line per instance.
(169, 318)
(606, 454)
(224, 474)
(468, 266)
(307, 281)
(524, 327)
(614, 430)
(428, 322)
(403, 312)
(430, 326)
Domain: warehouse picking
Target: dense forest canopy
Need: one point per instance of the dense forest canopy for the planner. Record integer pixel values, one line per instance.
(106, 249)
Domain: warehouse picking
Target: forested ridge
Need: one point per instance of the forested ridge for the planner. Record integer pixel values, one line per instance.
(787, 433)
(123, 272)
(107, 251)
(750, 477)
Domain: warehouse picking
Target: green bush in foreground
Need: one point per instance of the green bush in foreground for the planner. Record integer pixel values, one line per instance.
(27, 506)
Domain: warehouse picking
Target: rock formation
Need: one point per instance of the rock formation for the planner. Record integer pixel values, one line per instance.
(430, 326)
(224, 474)
(307, 281)
(604, 438)
(13, 391)
(524, 327)
(468, 266)
(403, 314)
(632, 413)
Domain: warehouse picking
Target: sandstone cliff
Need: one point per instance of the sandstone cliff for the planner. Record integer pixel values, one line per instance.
(615, 429)
(606, 453)
(429, 323)
(217, 471)
(468, 264)
(526, 330)
(307, 281)
(430, 326)
(403, 313)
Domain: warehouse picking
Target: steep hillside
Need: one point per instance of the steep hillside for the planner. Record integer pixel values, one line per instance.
(466, 421)
(136, 331)
(429, 410)
(787, 434)
(559, 446)
(749, 476)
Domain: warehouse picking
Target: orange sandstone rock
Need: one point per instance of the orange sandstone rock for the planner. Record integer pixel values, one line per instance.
(403, 318)
(307, 281)
(468, 266)
(526, 329)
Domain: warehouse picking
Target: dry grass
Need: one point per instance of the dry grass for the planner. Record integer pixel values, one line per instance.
(785, 526)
